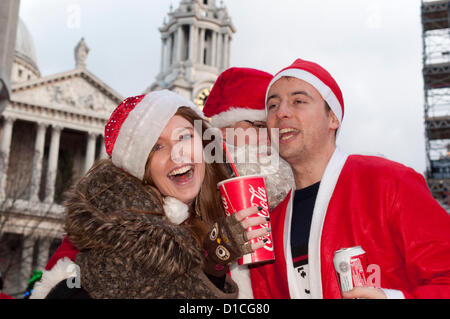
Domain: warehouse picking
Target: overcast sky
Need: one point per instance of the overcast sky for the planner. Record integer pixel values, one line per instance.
(372, 48)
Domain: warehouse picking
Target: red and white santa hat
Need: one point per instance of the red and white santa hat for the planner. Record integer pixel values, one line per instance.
(135, 126)
(320, 79)
(132, 131)
(237, 95)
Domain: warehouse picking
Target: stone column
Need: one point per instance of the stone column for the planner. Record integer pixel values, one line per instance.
(214, 49)
(229, 52)
(37, 161)
(9, 16)
(52, 164)
(43, 252)
(4, 153)
(26, 262)
(225, 51)
(163, 54)
(169, 52)
(178, 44)
(90, 151)
(192, 43)
(226, 60)
(202, 46)
(103, 154)
(219, 50)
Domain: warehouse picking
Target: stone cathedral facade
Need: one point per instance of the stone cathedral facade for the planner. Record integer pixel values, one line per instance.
(195, 49)
(51, 131)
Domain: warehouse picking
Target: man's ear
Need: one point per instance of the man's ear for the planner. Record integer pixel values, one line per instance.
(334, 122)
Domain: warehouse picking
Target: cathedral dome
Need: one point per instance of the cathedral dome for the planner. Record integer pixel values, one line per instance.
(25, 62)
(25, 44)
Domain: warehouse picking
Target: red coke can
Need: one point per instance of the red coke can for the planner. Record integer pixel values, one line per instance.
(243, 192)
(350, 265)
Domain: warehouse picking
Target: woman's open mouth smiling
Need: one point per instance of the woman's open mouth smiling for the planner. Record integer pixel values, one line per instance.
(182, 174)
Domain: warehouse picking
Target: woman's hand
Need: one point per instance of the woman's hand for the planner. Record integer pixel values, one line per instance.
(229, 240)
(246, 222)
(364, 293)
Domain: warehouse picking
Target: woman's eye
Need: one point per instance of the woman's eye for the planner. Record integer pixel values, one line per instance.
(157, 147)
(271, 106)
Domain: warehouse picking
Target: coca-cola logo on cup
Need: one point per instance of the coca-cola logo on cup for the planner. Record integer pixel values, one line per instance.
(268, 245)
(225, 205)
(259, 198)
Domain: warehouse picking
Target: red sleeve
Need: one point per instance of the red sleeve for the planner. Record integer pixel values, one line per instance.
(66, 249)
(421, 230)
(269, 281)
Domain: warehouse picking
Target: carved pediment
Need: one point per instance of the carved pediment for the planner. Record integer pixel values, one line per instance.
(77, 92)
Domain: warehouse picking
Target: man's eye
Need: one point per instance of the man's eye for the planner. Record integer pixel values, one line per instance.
(259, 124)
(186, 136)
(299, 102)
(271, 106)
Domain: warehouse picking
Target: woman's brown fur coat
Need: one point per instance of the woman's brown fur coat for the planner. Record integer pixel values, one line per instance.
(128, 252)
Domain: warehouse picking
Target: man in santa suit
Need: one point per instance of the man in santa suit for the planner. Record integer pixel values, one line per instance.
(344, 201)
(236, 106)
(236, 103)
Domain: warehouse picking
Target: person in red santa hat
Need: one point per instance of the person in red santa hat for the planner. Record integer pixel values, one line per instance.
(148, 222)
(344, 201)
(236, 105)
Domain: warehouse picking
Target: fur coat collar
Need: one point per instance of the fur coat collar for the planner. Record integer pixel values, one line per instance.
(128, 247)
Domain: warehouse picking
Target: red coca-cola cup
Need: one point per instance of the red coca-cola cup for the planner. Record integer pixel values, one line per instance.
(243, 192)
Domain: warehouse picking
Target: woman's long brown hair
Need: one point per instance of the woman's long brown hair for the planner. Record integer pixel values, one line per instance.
(208, 202)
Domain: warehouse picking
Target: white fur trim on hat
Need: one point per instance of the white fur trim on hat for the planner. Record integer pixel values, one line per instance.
(236, 114)
(324, 90)
(142, 128)
(175, 210)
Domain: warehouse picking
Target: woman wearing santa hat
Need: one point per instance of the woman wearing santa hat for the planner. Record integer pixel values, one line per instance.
(148, 222)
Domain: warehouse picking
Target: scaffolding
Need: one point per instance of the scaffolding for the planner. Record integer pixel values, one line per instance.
(436, 75)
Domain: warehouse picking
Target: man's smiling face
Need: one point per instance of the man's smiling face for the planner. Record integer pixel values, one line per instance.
(305, 124)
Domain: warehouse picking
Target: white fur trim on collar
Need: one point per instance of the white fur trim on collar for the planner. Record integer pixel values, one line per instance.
(175, 210)
(393, 293)
(326, 189)
(236, 114)
(241, 276)
(64, 269)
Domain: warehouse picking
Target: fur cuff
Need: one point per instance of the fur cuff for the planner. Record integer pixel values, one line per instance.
(64, 269)
(175, 210)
